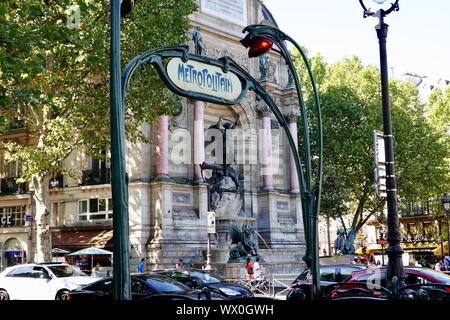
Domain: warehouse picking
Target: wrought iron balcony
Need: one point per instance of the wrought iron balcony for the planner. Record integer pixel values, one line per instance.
(92, 177)
(56, 182)
(10, 186)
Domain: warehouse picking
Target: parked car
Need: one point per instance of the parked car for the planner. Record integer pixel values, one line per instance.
(46, 281)
(372, 283)
(143, 286)
(198, 279)
(300, 288)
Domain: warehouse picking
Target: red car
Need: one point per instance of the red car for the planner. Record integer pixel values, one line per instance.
(372, 281)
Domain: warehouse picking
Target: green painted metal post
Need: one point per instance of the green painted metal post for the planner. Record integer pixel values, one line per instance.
(121, 270)
(310, 193)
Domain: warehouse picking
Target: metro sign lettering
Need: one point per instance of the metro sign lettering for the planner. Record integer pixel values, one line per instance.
(202, 78)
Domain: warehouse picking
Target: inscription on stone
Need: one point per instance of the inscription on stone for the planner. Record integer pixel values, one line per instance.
(286, 219)
(179, 213)
(282, 205)
(231, 10)
(180, 197)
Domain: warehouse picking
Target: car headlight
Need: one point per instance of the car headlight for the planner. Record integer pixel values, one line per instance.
(230, 292)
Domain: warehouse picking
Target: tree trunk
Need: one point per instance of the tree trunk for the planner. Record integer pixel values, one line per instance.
(42, 219)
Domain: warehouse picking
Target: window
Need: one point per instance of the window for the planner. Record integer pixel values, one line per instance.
(12, 216)
(98, 209)
(14, 169)
(22, 272)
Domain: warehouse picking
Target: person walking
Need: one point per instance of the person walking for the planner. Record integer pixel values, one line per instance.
(249, 269)
(179, 264)
(257, 269)
(141, 266)
(447, 263)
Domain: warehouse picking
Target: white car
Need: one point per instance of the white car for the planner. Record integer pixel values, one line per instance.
(47, 281)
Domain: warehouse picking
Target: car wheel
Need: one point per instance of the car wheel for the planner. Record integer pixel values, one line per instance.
(63, 295)
(4, 295)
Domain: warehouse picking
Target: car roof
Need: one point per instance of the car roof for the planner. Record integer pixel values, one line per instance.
(356, 266)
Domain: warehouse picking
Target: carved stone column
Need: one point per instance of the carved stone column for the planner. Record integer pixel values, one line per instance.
(292, 120)
(266, 146)
(162, 149)
(199, 139)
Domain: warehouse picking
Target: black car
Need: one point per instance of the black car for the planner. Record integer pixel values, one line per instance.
(143, 286)
(300, 288)
(198, 279)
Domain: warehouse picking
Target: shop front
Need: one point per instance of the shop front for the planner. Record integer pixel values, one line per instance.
(12, 252)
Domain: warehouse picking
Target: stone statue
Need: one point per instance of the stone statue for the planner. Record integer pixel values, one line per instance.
(339, 242)
(290, 83)
(263, 66)
(245, 243)
(344, 244)
(349, 248)
(198, 41)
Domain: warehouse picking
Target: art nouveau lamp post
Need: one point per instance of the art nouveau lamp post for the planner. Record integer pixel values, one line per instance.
(259, 40)
(446, 206)
(119, 183)
(394, 251)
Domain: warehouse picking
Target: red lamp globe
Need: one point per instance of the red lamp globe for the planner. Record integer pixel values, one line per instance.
(259, 47)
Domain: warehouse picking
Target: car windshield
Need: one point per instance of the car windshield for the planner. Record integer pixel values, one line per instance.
(64, 270)
(166, 285)
(441, 277)
(206, 277)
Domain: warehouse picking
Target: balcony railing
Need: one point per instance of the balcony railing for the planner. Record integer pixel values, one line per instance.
(92, 177)
(56, 182)
(10, 186)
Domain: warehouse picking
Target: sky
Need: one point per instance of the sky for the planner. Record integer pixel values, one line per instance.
(418, 38)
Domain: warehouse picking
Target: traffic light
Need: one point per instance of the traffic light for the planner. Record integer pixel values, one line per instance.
(125, 7)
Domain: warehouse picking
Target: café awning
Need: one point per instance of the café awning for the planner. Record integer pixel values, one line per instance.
(78, 239)
(438, 250)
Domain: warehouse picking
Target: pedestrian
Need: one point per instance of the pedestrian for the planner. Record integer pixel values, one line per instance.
(96, 270)
(439, 266)
(249, 269)
(179, 264)
(141, 266)
(447, 263)
(206, 266)
(257, 269)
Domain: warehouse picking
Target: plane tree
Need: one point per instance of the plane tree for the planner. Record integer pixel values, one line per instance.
(54, 77)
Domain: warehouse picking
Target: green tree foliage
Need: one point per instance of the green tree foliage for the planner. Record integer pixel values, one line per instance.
(350, 97)
(54, 75)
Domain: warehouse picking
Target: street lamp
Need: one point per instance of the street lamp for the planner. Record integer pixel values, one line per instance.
(382, 234)
(394, 251)
(259, 40)
(207, 171)
(446, 206)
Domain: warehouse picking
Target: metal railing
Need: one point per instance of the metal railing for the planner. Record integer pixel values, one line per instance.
(281, 284)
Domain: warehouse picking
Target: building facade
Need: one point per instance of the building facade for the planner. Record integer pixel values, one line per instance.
(168, 198)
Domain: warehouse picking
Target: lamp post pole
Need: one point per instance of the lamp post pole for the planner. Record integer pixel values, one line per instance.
(394, 251)
(119, 178)
(382, 246)
(203, 167)
(446, 206)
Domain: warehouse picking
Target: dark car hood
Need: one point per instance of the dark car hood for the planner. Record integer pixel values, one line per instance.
(195, 293)
(216, 287)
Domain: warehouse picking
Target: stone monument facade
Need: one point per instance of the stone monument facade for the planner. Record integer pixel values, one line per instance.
(263, 190)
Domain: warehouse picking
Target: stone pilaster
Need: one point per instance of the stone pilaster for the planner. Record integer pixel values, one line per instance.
(265, 137)
(292, 120)
(199, 139)
(162, 149)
